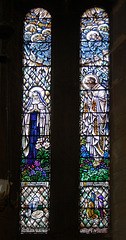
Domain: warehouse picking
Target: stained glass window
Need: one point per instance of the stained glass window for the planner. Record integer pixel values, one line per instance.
(94, 122)
(35, 161)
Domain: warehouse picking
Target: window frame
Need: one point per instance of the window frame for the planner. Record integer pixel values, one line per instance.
(56, 90)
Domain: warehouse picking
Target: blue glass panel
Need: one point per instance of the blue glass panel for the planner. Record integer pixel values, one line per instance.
(39, 31)
(94, 53)
(37, 54)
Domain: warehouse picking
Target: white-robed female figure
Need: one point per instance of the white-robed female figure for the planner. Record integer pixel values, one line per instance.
(35, 123)
(94, 116)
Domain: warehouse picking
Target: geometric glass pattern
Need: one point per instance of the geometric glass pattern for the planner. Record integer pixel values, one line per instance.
(94, 122)
(35, 161)
(34, 207)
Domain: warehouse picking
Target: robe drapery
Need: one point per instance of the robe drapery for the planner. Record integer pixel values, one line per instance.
(35, 123)
(94, 116)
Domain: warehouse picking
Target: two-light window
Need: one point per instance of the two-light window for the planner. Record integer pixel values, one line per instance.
(94, 120)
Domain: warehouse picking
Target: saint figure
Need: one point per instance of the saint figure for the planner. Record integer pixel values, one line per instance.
(94, 116)
(35, 123)
(91, 207)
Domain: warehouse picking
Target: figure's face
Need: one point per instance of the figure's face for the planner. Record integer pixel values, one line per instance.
(90, 81)
(35, 98)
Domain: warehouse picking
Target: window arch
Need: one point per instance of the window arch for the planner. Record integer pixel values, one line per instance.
(35, 162)
(94, 122)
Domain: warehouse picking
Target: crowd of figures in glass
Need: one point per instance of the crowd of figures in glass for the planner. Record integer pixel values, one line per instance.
(94, 121)
(35, 162)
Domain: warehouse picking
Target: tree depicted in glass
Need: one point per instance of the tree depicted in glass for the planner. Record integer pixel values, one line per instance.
(94, 121)
(35, 162)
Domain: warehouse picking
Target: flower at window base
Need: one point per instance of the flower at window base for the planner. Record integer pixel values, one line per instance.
(38, 145)
(44, 173)
(42, 143)
(46, 144)
(32, 173)
(37, 163)
(37, 169)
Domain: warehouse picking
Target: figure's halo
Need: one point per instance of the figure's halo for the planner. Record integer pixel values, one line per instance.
(87, 76)
(93, 35)
(37, 89)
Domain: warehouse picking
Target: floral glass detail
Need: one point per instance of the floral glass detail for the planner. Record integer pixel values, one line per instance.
(35, 161)
(94, 122)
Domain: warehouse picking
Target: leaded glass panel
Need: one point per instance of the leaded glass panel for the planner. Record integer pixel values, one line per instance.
(94, 122)
(36, 109)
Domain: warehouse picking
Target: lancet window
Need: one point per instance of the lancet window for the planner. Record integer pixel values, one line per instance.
(94, 122)
(35, 160)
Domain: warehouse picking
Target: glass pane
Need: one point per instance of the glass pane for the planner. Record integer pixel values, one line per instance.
(94, 209)
(94, 122)
(37, 54)
(35, 161)
(34, 207)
